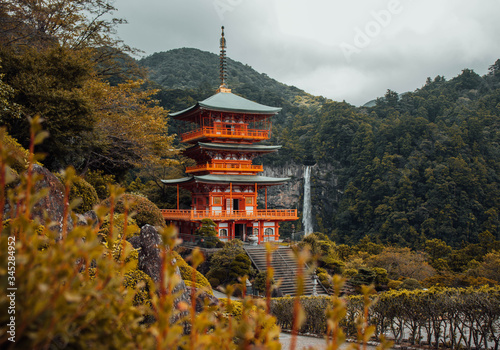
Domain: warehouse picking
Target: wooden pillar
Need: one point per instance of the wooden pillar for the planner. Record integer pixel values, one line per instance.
(177, 196)
(231, 197)
(255, 203)
(266, 200)
(261, 231)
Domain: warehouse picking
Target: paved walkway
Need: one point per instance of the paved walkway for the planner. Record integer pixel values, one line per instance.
(220, 295)
(304, 342)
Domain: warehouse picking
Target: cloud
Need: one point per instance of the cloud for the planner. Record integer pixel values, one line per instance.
(302, 43)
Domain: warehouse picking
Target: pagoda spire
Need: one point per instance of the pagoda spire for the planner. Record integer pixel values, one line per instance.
(223, 65)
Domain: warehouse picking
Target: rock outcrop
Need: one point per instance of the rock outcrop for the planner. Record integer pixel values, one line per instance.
(325, 191)
(149, 242)
(51, 206)
(202, 299)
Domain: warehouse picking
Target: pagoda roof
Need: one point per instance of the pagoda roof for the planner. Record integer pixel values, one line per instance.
(225, 179)
(234, 147)
(227, 102)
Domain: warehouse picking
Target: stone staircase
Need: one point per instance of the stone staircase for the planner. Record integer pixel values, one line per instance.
(285, 269)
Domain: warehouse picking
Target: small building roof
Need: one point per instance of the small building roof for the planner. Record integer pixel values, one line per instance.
(225, 179)
(227, 102)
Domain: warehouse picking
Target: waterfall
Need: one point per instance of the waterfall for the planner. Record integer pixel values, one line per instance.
(306, 213)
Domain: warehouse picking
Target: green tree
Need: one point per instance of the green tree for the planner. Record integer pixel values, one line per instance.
(438, 251)
(208, 231)
(228, 264)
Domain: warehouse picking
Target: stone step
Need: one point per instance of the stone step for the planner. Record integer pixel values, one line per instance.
(285, 269)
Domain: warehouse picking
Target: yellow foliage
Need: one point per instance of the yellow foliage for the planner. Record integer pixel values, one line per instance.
(186, 274)
(131, 126)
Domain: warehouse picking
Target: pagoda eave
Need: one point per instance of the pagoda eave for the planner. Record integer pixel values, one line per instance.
(226, 102)
(228, 179)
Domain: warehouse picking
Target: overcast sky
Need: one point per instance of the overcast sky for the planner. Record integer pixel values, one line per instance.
(344, 50)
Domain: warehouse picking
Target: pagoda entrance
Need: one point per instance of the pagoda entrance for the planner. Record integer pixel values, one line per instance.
(239, 231)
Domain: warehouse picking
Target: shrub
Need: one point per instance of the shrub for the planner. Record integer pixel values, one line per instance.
(100, 182)
(402, 262)
(410, 284)
(82, 190)
(393, 284)
(349, 273)
(146, 212)
(140, 281)
(365, 276)
(207, 230)
(259, 283)
(82, 302)
(19, 155)
(229, 263)
(86, 192)
(240, 266)
(324, 278)
(187, 274)
(381, 278)
(214, 282)
(118, 226)
(234, 307)
(456, 280)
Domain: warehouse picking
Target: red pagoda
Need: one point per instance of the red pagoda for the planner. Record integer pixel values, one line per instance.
(225, 130)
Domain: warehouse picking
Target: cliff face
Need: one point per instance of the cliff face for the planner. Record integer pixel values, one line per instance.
(325, 192)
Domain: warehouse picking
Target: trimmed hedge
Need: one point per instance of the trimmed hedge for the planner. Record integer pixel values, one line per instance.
(186, 274)
(81, 189)
(146, 212)
(234, 308)
(440, 316)
(118, 223)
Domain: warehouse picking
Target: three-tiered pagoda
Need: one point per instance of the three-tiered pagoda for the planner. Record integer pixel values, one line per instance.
(225, 131)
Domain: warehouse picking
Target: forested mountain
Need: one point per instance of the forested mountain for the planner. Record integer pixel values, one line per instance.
(188, 75)
(425, 165)
(416, 166)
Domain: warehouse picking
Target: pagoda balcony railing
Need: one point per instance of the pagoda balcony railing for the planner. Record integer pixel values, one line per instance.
(225, 167)
(222, 215)
(210, 132)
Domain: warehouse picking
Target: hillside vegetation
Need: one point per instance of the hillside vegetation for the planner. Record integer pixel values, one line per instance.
(187, 75)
